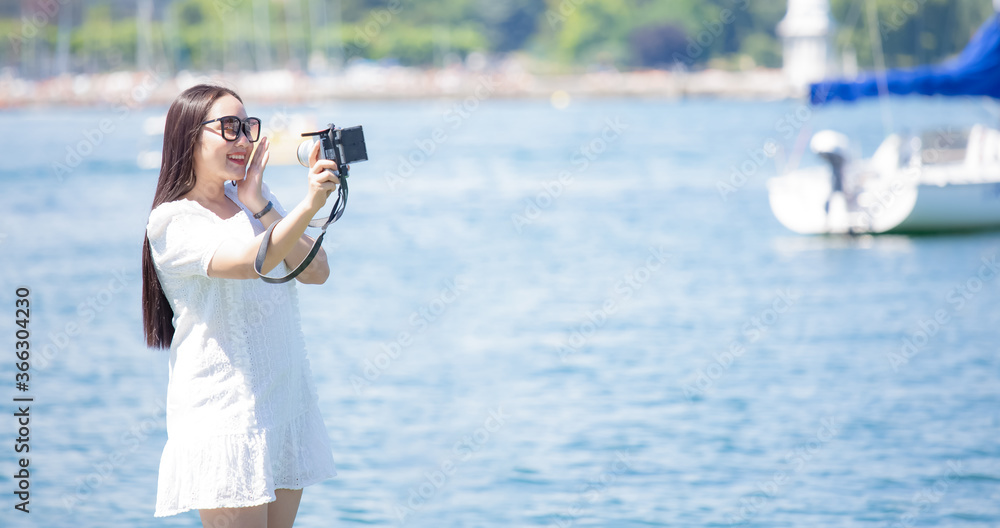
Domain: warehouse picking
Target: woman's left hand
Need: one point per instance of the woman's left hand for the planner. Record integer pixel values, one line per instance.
(249, 189)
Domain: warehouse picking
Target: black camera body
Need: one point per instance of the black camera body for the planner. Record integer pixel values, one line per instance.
(343, 145)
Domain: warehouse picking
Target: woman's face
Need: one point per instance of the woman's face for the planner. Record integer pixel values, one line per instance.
(214, 157)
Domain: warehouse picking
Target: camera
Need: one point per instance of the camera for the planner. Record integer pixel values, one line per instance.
(343, 145)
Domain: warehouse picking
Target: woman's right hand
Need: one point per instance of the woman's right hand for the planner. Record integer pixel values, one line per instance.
(322, 180)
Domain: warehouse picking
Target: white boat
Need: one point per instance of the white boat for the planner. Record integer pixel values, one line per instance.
(904, 188)
(910, 185)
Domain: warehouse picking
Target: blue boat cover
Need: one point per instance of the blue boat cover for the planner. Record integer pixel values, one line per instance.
(976, 71)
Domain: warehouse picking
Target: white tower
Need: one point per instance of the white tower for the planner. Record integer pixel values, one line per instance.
(805, 32)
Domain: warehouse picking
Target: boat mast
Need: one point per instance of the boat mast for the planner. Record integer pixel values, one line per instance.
(144, 35)
(879, 55)
(62, 39)
(262, 35)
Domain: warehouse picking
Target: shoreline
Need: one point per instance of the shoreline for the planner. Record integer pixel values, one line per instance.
(369, 82)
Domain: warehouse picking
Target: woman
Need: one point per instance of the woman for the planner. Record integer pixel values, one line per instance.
(244, 431)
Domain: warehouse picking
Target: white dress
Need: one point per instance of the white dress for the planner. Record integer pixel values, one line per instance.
(242, 412)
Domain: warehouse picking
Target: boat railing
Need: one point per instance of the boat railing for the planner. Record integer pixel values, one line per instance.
(983, 147)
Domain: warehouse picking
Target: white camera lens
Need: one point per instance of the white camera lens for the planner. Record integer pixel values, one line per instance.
(305, 148)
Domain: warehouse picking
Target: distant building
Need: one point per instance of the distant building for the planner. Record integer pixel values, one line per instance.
(806, 33)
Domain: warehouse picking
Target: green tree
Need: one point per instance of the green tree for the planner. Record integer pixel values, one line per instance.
(911, 32)
(572, 34)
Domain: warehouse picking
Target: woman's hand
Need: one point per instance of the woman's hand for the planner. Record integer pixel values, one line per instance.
(249, 189)
(322, 180)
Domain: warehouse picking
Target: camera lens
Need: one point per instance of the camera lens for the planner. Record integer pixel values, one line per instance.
(305, 148)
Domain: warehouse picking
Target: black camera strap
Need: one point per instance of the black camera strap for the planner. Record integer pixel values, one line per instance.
(335, 214)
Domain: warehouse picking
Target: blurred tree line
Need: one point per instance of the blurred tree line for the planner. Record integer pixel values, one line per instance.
(47, 37)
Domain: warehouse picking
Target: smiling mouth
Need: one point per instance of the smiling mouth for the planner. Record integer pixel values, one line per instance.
(237, 158)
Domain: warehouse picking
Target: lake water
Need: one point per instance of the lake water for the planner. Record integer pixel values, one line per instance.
(538, 317)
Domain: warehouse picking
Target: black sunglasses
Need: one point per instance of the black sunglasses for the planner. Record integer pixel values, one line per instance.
(232, 125)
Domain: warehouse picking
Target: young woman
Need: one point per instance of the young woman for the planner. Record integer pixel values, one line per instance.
(244, 431)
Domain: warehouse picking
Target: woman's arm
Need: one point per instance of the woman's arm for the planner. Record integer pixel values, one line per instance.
(318, 270)
(234, 259)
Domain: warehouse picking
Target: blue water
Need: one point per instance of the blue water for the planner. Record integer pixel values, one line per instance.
(555, 318)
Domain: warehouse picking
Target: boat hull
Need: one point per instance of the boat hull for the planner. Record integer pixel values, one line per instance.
(804, 203)
(953, 207)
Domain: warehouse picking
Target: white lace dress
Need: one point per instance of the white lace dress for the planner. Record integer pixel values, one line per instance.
(242, 412)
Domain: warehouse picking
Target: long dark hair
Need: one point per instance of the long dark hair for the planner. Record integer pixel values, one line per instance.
(180, 137)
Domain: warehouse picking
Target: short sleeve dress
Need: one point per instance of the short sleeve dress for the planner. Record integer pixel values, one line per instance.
(242, 411)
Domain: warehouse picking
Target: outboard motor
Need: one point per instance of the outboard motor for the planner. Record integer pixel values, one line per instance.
(833, 147)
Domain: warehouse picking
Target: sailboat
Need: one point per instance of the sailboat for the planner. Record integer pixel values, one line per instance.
(937, 182)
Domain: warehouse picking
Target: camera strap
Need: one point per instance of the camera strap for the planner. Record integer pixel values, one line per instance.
(335, 214)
